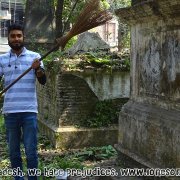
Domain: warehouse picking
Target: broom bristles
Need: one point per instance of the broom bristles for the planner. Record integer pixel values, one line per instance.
(91, 17)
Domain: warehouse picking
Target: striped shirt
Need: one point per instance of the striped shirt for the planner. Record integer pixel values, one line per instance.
(21, 97)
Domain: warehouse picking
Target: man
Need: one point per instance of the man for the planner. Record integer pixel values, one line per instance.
(20, 101)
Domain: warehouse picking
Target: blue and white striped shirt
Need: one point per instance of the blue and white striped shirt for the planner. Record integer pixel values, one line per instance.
(21, 97)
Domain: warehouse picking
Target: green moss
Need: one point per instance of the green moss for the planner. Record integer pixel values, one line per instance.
(96, 60)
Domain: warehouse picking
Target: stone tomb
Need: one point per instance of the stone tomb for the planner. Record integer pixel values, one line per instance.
(63, 102)
(149, 124)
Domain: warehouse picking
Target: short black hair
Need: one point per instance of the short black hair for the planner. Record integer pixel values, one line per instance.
(15, 26)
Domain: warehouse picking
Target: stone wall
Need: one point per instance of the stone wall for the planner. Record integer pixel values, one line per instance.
(67, 98)
(107, 85)
(149, 127)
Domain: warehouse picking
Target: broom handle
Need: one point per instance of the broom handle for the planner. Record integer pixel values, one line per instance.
(29, 69)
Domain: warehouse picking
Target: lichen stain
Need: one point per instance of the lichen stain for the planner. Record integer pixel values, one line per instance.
(170, 76)
(175, 85)
(151, 67)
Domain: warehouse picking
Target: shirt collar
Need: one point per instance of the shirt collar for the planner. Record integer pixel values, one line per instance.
(22, 54)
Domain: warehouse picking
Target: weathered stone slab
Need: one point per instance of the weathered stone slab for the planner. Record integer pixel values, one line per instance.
(67, 137)
(148, 10)
(151, 133)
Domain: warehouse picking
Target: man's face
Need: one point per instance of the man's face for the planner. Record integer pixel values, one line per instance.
(16, 39)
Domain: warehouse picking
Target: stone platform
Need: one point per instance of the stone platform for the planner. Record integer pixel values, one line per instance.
(152, 133)
(70, 137)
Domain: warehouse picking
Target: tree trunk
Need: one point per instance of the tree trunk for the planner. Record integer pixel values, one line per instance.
(59, 23)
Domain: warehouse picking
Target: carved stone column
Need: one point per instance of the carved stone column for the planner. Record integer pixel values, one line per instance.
(149, 124)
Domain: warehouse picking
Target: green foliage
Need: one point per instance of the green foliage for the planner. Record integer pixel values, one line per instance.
(96, 153)
(60, 162)
(115, 4)
(105, 114)
(126, 39)
(71, 42)
(77, 158)
(4, 160)
(127, 63)
(33, 44)
(67, 9)
(94, 59)
(105, 4)
(53, 61)
(2, 127)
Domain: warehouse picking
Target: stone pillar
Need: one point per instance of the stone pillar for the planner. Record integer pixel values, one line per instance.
(149, 124)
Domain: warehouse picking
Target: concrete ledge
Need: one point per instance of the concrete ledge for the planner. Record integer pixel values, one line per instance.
(69, 137)
(127, 159)
(150, 135)
(130, 159)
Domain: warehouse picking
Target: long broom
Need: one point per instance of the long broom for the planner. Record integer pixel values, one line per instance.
(91, 16)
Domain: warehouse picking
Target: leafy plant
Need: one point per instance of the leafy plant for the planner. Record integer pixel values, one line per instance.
(71, 42)
(60, 162)
(97, 61)
(53, 61)
(105, 114)
(96, 153)
(127, 64)
(126, 39)
(2, 127)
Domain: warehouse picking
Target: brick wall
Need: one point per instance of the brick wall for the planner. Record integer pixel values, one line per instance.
(65, 99)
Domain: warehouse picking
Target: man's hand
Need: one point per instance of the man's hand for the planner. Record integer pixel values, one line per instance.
(38, 70)
(36, 64)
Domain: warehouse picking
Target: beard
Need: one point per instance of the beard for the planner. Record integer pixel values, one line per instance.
(16, 46)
